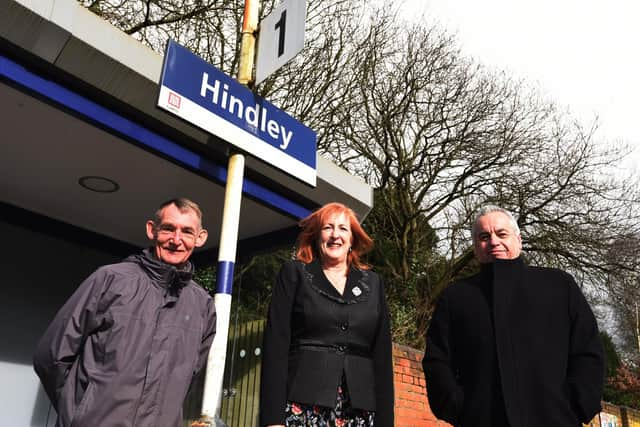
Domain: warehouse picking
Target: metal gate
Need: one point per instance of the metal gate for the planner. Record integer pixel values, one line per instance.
(241, 384)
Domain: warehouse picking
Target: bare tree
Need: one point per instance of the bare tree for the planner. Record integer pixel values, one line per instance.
(434, 132)
(439, 136)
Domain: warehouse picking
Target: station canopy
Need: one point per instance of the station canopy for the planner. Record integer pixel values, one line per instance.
(83, 142)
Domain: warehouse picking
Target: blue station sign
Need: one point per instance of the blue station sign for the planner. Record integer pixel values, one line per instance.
(201, 94)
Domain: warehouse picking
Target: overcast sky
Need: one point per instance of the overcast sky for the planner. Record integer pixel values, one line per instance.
(583, 54)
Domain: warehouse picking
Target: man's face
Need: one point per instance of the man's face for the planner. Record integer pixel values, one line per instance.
(495, 238)
(177, 235)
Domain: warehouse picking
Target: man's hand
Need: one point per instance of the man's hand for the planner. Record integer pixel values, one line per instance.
(208, 422)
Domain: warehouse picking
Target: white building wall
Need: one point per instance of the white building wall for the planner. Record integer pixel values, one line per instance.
(39, 272)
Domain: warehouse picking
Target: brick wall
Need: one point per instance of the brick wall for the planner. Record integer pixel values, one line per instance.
(412, 408)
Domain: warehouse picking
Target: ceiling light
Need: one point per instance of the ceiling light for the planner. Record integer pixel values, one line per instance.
(99, 184)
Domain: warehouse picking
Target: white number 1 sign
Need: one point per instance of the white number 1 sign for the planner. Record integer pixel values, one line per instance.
(281, 37)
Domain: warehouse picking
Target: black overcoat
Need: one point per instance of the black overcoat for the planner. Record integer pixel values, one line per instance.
(540, 365)
(314, 335)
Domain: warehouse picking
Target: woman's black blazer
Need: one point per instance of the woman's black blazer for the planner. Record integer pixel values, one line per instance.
(314, 336)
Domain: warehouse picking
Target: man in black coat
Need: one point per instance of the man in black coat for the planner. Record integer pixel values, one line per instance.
(514, 345)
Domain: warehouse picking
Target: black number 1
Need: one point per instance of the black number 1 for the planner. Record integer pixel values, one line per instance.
(281, 25)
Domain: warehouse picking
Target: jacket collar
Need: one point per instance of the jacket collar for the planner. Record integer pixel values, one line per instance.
(508, 273)
(503, 270)
(164, 275)
(356, 289)
(508, 276)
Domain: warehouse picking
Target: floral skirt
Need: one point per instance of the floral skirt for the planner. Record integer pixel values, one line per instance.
(343, 415)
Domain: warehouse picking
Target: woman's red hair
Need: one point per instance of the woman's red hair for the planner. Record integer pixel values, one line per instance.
(311, 226)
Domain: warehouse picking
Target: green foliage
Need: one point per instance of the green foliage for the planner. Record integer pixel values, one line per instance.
(206, 277)
(403, 245)
(252, 293)
(252, 283)
(610, 355)
(403, 313)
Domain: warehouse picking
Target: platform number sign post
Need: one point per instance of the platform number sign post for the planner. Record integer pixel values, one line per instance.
(280, 37)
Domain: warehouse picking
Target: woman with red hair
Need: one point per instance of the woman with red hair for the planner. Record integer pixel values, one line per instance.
(327, 345)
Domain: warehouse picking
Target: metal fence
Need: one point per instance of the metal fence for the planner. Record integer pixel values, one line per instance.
(241, 384)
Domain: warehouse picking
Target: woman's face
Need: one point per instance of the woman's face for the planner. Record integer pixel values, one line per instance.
(335, 239)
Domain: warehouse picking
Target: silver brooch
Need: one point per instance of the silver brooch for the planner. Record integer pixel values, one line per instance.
(356, 291)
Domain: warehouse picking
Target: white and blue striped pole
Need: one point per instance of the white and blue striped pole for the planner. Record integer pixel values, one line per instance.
(212, 397)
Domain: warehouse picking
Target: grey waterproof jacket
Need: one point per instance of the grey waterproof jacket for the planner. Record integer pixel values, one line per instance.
(124, 348)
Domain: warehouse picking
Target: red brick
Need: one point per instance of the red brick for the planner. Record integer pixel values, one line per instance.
(410, 397)
(418, 373)
(410, 422)
(417, 405)
(415, 389)
(398, 352)
(403, 362)
(415, 364)
(407, 379)
(404, 391)
(411, 404)
(410, 413)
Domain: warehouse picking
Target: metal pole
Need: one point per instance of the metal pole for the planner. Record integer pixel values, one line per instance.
(212, 396)
(248, 46)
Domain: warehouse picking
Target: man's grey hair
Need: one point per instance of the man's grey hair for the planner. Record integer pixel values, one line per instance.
(487, 209)
(183, 204)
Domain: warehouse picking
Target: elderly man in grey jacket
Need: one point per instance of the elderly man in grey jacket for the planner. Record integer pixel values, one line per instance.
(124, 348)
